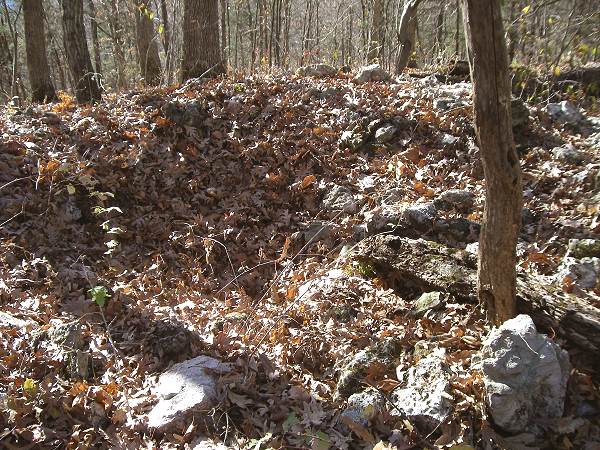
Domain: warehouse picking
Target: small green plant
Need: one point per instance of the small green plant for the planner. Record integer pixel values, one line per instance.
(99, 294)
(29, 387)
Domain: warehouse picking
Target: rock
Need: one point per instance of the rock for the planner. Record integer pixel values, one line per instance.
(68, 335)
(51, 118)
(568, 154)
(7, 320)
(428, 301)
(565, 113)
(186, 389)
(189, 114)
(385, 134)
(318, 231)
(594, 140)
(525, 375)
(424, 397)
(372, 73)
(444, 104)
(353, 139)
(457, 199)
(383, 218)
(340, 198)
(583, 272)
(316, 70)
(456, 230)
(355, 368)
(420, 216)
(583, 248)
(364, 406)
(520, 114)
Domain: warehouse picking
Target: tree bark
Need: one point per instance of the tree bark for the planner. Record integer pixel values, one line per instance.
(201, 40)
(87, 88)
(504, 195)
(118, 45)
(377, 32)
(406, 34)
(147, 46)
(166, 39)
(42, 89)
(95, 40)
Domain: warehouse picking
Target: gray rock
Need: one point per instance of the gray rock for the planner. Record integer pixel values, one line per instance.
(428, 301)
(371, 73)
(583, 248)
(565, 113)
(186, 389)
(583, 272)
(189, 114)
(340, 198)
(457, 230)
(520, 113)
(68, 335)
(525, 375)
(316, 70)
(7, 320)
(421, 216)
(353, 139)
(51, 118)
(318, 231)
(354, 368)
(364, 406)
(444, 104)
(424, 397)
(568, 154)
(594, 140)
(383, 218)
(385, 134)
(457, 199)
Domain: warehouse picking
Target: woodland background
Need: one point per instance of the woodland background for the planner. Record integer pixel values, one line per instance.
(544, 35)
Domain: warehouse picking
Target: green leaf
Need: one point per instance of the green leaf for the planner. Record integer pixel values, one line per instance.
(161, 29)
(321, 441)
(527, 9)
(70, 189)
(99, 294)
(291, 420)
(29, 387)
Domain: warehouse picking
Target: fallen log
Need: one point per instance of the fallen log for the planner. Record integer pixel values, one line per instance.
(409, 265)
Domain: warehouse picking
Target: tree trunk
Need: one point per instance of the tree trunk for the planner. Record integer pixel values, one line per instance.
(504, 194)
(117, 41)
(406, 34)
(95, 40)
(147, 46)
(201, 49)
(87, 88)
(166, 39)
(42, 89)
(377, 32)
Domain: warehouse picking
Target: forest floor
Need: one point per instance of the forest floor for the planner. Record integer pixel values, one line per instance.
(200, 210)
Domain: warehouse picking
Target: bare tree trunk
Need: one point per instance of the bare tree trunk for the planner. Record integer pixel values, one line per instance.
(87, 88)
(42, 88)
(95, 41)
(504, 197)
(439, 33)
(201, 25)
(406, 34)
(224, 31)
(147, 46)
(377, 32)
(166, 40)
(118, 44)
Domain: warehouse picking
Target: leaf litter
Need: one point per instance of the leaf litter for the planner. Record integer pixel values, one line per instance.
(163, 224)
